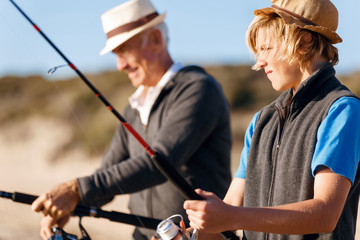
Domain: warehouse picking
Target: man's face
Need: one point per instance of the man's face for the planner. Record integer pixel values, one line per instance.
(136, 58)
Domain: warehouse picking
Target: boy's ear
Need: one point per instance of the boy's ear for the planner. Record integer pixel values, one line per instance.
(306, 37)
(305, 40)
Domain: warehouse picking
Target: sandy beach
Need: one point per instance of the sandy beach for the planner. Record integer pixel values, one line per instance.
(25, 153)
(25, 168)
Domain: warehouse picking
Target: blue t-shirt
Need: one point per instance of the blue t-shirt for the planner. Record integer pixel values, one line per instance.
(338, 140)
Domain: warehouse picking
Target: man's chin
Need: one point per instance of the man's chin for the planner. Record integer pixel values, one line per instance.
(136, 84)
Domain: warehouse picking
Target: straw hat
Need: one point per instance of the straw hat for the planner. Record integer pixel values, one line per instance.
(126, 20)
(316, 15)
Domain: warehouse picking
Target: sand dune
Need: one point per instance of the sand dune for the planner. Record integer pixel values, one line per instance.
(25, 151)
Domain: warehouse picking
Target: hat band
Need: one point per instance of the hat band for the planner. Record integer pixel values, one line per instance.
(131, 25)
(297, 16)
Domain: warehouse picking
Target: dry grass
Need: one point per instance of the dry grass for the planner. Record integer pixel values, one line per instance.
(54, 131)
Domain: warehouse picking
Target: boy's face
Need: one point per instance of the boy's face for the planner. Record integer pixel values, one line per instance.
(282, 74)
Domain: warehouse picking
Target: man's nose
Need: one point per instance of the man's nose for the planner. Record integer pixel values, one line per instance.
(121, 63)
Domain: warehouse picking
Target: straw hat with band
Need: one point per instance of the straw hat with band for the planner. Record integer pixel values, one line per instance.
(319, 16)
(126, 20)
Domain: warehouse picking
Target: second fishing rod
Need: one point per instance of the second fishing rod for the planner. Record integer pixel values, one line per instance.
(82, 211)
(162, 164)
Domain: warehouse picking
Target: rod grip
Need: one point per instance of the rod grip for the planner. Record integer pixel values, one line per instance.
(23, 198)
(82, 211)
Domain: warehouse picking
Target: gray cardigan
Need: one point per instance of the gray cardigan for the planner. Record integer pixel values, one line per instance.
(189, 125)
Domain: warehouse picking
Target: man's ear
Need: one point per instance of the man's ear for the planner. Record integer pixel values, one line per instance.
(156, 40)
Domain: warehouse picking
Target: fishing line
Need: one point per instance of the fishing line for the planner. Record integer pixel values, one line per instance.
(75, 117)
(71, 109)
(62, 95)
(79, 123)
(30, 53)
(162, 164)
(67, 102)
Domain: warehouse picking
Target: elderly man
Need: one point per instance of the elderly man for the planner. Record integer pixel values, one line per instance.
(180, 111)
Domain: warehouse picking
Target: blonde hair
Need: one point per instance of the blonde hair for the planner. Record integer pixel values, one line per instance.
(294, 46)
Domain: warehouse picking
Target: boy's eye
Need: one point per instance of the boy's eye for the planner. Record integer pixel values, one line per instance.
(265, 48)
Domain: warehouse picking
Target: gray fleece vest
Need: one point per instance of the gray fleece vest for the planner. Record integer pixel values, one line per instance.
(282, 147)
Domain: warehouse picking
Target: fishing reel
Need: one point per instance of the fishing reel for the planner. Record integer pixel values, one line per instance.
(60, 234)
(169, 230)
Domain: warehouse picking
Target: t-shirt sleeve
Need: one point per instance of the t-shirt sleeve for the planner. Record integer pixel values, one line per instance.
(241, 171)
(338, 139)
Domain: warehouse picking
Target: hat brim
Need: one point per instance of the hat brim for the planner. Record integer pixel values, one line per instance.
(331, 35)
(119, 39)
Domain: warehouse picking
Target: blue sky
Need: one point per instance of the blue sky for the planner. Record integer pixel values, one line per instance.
(201, 32)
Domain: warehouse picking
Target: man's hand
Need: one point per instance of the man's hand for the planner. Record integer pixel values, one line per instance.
(59, 202)
(48, 222)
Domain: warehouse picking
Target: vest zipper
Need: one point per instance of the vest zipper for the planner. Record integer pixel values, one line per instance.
(282, 112)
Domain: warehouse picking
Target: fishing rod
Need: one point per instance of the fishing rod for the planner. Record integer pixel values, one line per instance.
(162, 165)
(84, 211)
